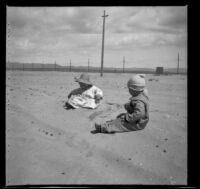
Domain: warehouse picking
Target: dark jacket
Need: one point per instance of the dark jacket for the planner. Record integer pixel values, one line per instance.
(137, 111)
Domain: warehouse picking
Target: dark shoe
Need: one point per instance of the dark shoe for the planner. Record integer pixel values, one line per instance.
(98, 127)
(68, 106)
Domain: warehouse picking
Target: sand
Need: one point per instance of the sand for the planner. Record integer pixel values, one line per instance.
(47, 144)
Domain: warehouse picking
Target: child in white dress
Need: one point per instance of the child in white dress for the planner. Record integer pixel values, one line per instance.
(87, 96)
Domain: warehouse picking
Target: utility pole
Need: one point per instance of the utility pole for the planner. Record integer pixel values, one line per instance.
(102, 51)
(55, 66)
(123, 63)
(32, 66)
(88, 65)
(70, 66)
(178, 65)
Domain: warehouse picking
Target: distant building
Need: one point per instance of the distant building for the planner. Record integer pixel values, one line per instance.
(159, 70)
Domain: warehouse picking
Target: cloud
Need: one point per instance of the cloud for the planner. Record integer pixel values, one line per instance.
(155, 19)
(63, 31)
(174, 17)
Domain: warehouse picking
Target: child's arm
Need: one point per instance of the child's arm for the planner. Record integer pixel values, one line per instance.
(98, 95)
(98, 98)
(75, 92)
(136, 113)
(70, 94)
(129, 107)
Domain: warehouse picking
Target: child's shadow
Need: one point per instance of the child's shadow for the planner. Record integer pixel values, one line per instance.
(96, 131)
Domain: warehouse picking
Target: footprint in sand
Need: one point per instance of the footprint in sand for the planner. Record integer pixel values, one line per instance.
(113, 107)
(48, 133)
(95, 114)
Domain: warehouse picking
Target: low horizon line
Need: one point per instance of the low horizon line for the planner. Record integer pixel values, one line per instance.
(90, 66)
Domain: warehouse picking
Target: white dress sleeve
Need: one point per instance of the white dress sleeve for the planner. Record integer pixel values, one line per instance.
(98, 92)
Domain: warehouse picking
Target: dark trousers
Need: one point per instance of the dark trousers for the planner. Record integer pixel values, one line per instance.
(119, 125)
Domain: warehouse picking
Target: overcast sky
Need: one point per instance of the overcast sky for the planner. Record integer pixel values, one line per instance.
(146, 36)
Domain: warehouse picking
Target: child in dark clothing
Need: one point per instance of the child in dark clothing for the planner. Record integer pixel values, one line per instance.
(137, 115)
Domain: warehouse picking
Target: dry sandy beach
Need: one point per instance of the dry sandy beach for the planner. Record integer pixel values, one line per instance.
(46, 144)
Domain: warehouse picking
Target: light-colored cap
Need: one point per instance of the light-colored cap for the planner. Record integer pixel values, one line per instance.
(137, 82)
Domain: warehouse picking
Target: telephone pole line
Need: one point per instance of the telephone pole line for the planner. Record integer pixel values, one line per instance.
(123, 63)
(102, 51)
(178, 65)
(70, 66)
(88, 64)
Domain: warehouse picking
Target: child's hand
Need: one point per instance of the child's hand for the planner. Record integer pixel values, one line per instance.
(128, 107)
(97, 99)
